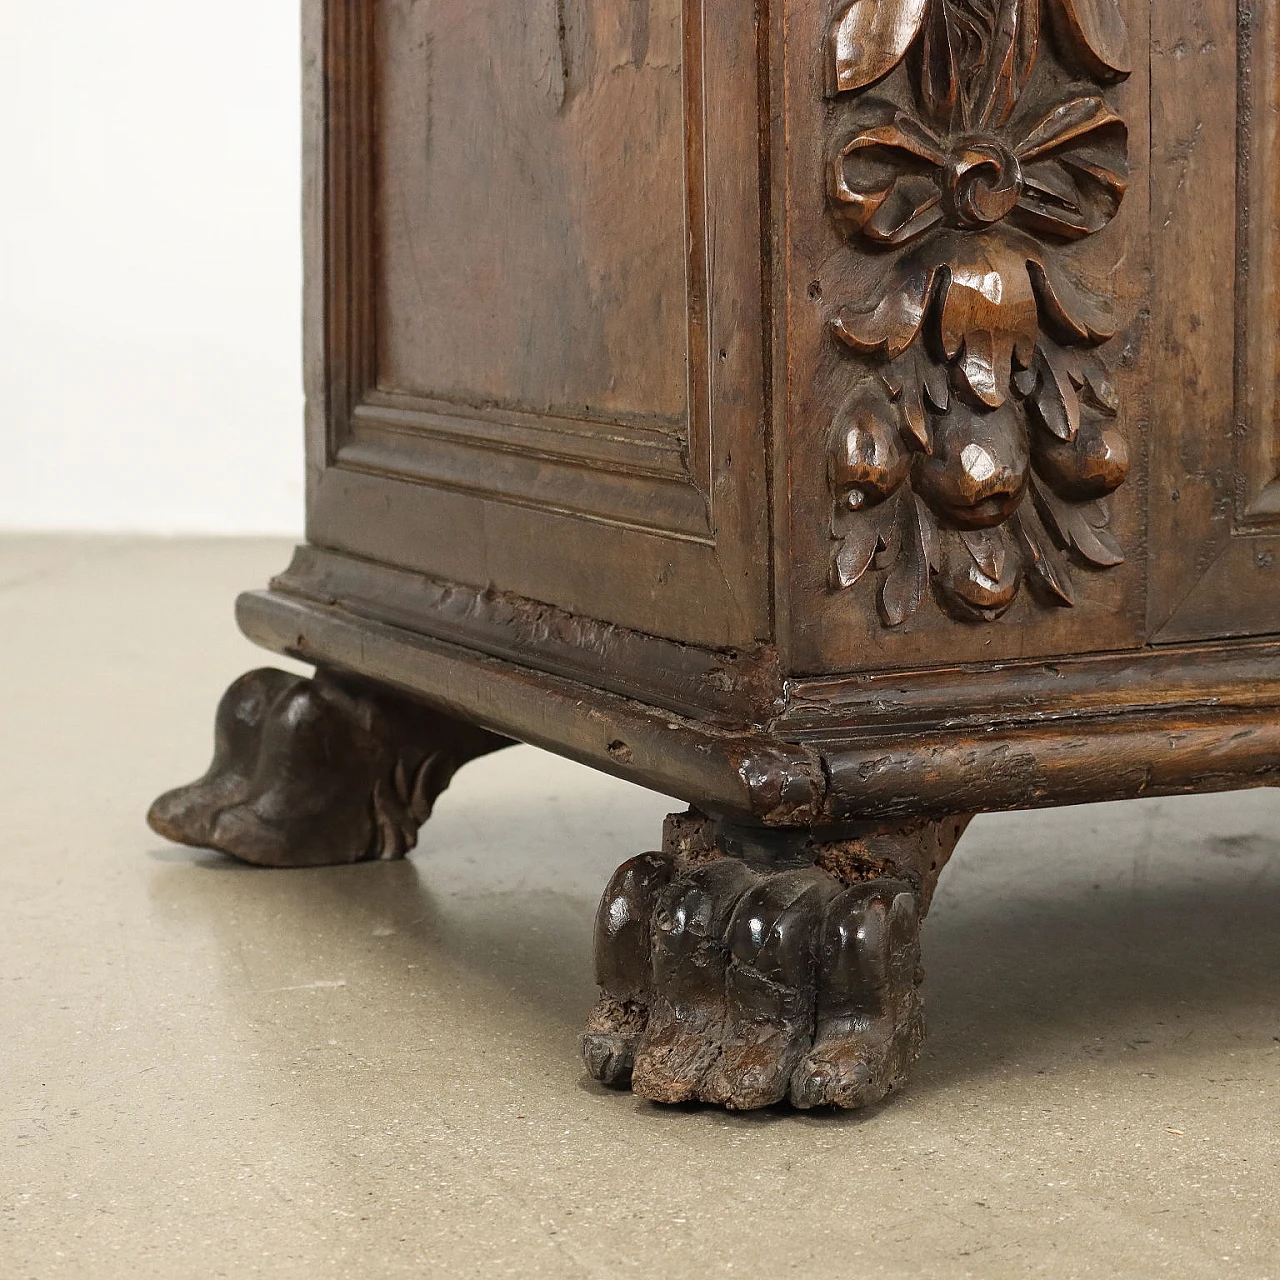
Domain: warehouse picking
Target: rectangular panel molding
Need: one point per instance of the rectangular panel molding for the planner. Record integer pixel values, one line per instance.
(494, 323)
(1258, 326)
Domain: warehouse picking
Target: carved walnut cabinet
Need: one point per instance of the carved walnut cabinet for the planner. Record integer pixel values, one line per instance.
(843, 415)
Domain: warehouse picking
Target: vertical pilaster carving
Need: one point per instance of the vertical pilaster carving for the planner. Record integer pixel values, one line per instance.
(979, 442)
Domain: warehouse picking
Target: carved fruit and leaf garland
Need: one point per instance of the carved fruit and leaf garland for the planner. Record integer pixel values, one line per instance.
(984, 445)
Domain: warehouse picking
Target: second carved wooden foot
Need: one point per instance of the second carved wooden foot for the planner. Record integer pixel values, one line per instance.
(744, 968)
(313, 772)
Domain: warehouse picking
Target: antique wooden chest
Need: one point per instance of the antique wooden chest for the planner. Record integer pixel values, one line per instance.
(843, 415)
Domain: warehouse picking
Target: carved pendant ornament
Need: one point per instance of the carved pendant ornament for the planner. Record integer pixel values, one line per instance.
(982, 448)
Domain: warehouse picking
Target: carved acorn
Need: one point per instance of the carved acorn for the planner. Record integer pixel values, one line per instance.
(979, 578)
(1090, 466)
(868, 460)
(977, 473)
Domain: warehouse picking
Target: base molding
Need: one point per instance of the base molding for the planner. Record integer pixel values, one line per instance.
(772, 773)
(726, 686)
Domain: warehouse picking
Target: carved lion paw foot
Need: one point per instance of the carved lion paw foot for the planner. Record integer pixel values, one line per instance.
(317, 772)
(730, 984)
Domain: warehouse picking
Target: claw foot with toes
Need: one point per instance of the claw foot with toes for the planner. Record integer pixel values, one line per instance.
(745, 981)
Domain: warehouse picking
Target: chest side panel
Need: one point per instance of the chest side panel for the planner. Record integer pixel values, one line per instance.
(516, 145)
(534, 316)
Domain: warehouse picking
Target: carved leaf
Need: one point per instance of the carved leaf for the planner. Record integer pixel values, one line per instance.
(401, 805)
(1074, 169)
(1072, 523)
(868, 536)
(1056, 400)
(1094, 35)
(891, 326)
(1072, 312)
(928, 534)
(1010, 59)
(1099, 390)
(977, 58)
(941, 67)
(1109, 552)
(987, 548)
(936, 386)
(430, 780)
(857, 550)
(890, 533)
(869, 39)
(979, 580)
(1042, 556)
(915, 384)
(907, 582)
(988, 314)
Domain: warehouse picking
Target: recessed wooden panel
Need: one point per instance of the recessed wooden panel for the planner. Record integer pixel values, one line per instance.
(1215, 445)
(517, 145)
(1258, 331)
(474, 339)
(535, 336)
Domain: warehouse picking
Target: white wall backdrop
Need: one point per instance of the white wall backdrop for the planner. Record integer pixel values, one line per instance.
(150, 365)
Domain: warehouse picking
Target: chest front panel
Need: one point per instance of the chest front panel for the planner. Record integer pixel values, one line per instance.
(1214, 499)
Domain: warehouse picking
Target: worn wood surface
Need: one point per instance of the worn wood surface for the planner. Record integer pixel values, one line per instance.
(916, 291)
(740, 770)
(826, 771)
(919, 395)
(726, 687)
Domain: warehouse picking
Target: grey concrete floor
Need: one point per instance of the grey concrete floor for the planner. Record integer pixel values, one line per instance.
(210, 1070)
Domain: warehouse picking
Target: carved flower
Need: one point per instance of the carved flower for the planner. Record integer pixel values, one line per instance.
(983, 338)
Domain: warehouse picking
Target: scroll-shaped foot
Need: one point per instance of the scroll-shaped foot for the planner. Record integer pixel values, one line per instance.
(739, 984)
(313, 772)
